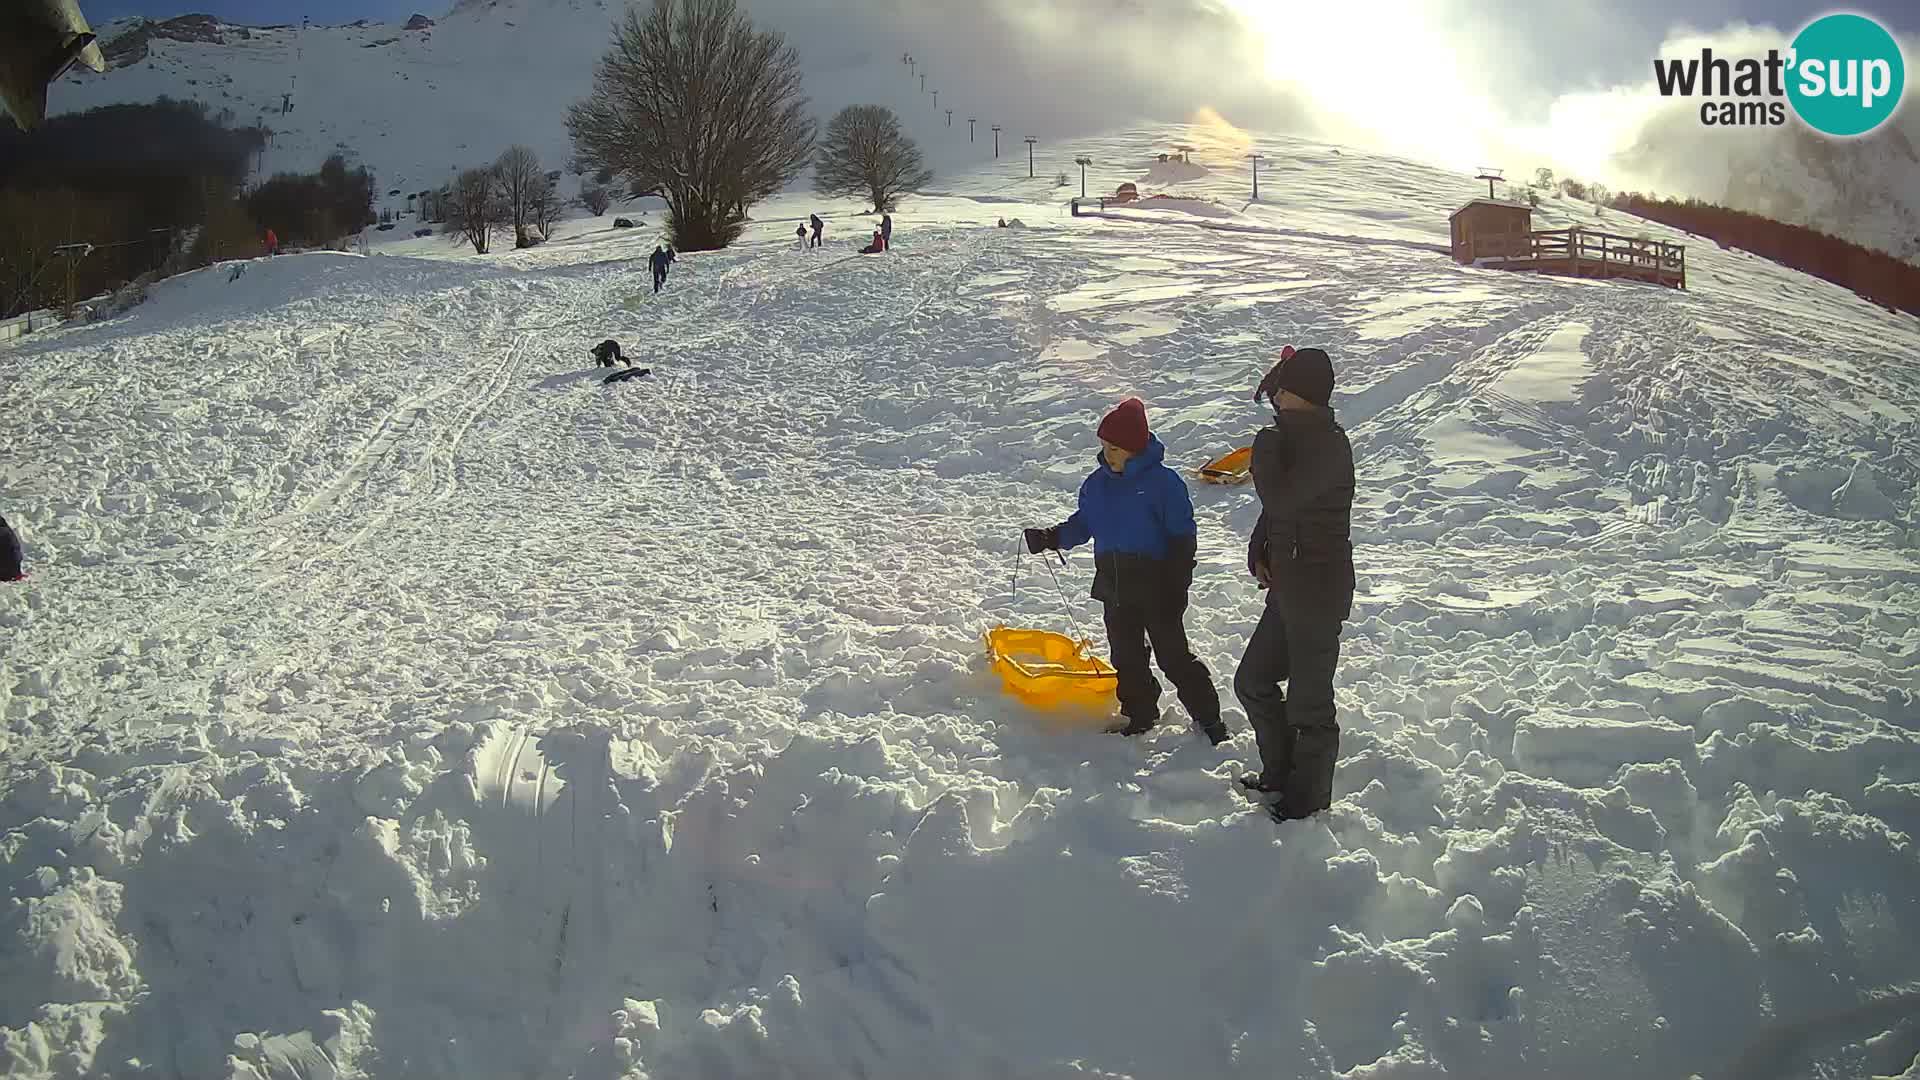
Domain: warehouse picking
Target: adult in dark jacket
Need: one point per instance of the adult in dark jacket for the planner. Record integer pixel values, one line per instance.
(661, 259)
(1140, 519)
(886, 232)
(1302, 553)
(11, 556)
(819, 229)
(608, 353)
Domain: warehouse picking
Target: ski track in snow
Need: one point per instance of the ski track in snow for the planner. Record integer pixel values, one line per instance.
(391, 698)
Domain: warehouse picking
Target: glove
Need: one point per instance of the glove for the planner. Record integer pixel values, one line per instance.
(1039, 540)
(1269, 387)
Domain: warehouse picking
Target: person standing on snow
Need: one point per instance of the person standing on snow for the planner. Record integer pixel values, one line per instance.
(1140, 518)
(661, 259)
(1302, 553)
(273, 244)
(819, 229)
(12, 557)
(886, 232)
(801, 232)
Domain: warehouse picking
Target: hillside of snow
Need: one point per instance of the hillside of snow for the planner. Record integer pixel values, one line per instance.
(414, 105)
(418, 100)
(391, 698)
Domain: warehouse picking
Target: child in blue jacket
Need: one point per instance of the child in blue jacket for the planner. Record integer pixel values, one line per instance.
(1140, 518)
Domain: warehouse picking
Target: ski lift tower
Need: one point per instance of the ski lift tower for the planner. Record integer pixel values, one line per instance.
(1492, 176)
(73, 253)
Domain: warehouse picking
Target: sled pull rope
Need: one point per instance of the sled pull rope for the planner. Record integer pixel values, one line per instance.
(1064, 602)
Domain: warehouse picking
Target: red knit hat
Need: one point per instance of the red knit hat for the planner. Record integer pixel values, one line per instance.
(1126, 426)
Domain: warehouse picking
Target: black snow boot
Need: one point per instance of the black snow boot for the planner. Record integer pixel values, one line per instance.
(1133, 727)
(1215, 732)
(1253, 785)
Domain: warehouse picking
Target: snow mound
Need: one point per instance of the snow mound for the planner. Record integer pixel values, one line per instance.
(1175, 171)
(1861, 498)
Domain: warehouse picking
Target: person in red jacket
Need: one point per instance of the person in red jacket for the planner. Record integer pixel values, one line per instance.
(273, 244)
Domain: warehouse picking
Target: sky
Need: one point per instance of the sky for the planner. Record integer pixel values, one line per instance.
(1452, 82)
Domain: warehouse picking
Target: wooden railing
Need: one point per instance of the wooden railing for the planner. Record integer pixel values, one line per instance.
(1575, 250)
(1584, 245)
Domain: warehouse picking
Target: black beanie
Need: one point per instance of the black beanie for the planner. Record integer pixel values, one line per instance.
(1308, 373)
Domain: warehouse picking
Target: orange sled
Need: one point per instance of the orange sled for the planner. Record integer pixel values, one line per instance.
(1049, 671)
(1232, 468)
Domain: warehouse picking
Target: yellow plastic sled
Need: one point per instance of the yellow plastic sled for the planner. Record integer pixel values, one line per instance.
(1231, 468)
(1050, 671)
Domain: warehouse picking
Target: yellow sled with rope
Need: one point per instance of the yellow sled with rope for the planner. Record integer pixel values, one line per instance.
(1233, 467)
(1051, 672)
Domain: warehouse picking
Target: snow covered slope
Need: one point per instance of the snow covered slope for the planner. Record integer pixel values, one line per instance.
(389, 698)
(415, 104)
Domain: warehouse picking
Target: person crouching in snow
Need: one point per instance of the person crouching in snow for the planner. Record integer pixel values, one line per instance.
(1140, 518)
(11, 555)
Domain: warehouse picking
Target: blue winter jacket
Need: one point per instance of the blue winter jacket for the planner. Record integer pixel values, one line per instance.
(1139, 511)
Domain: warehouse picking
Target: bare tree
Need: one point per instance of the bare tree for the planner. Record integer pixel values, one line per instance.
(866, 153)
(521, 180)
(546, 208)
(596, 199)
(474, 208)
(1543, 178)
(693, 103)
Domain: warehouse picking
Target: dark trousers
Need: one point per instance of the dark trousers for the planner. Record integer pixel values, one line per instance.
(815, 242)
(1129, 631)
(1299, 739)
(659, 279)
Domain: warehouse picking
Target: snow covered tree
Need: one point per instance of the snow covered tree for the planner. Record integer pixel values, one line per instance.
(694, 103)
(596, 200)
(1543, 178)
(474, 208)
(521, 182)
(866, 153)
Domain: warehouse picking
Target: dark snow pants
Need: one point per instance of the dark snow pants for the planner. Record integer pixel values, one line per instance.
(1130, 629)
(1298, 644)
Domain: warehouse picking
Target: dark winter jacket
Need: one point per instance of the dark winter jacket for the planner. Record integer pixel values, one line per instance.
(1141, 523)
(11, 557)
(660, 260)
(1303, 469)
(886, 226)
(814, 220)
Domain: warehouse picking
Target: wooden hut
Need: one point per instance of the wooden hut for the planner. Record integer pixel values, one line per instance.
(1498, 234)
(1491, 228)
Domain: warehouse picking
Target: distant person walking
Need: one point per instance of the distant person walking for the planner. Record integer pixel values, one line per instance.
(819, 230)
(800, 231)
(662, 259)
(886, 232)
(11, 555)
(273, 244)
(1301, 552)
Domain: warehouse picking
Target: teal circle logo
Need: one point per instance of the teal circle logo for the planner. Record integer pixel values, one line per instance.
(1846, 74)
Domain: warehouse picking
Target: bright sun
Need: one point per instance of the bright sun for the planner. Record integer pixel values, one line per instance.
(1379, 70)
